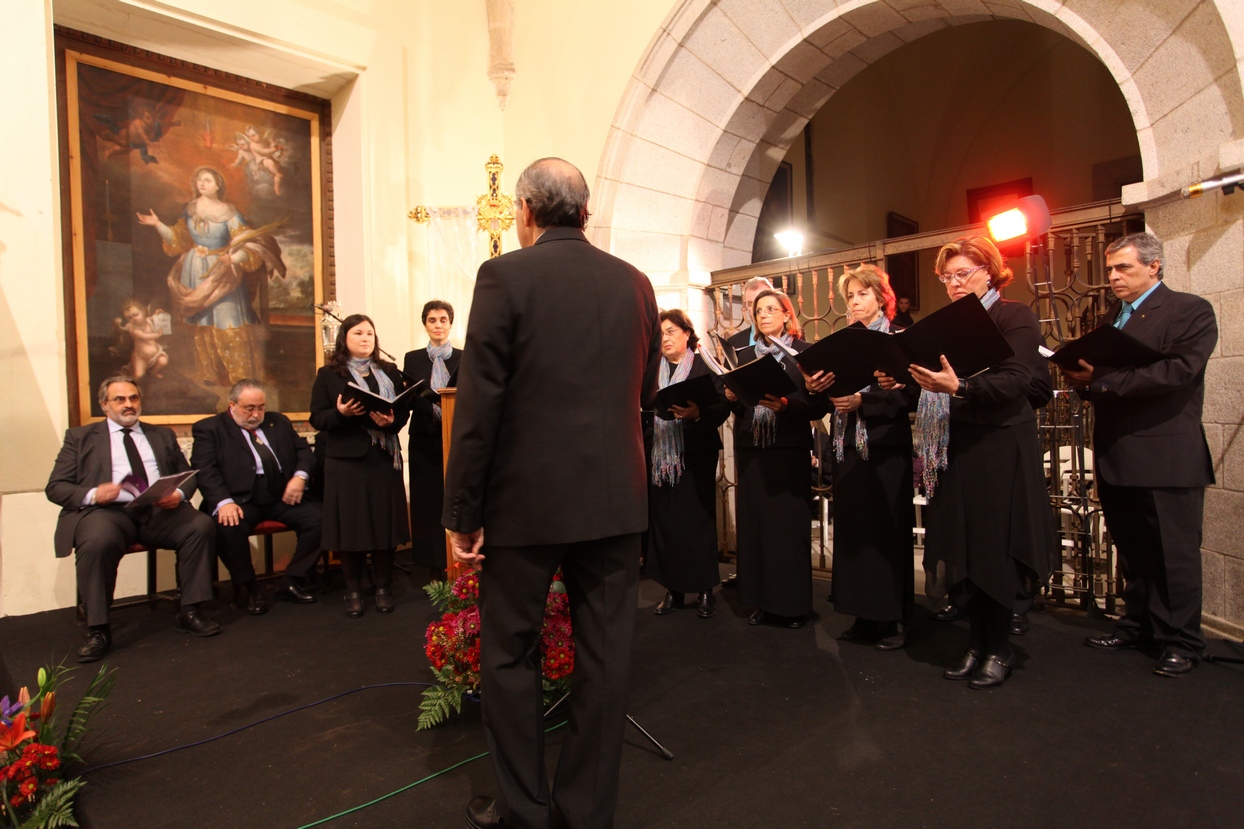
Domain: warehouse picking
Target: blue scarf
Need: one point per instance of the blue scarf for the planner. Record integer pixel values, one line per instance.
(933, 423)
(440, 374)
(764, 421)
(861, 428)
(667, 435)
(360, 369)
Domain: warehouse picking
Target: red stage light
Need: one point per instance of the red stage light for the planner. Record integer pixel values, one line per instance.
(1028, 218)
(1008, 225)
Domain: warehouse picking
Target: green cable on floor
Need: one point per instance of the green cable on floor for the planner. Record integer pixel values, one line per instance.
(408, 786)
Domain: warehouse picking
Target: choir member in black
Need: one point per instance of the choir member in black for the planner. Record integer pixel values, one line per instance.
(873, 512)
(682, 488)
(773, 454)
(425, 457)
(988, 523)
(364, 494)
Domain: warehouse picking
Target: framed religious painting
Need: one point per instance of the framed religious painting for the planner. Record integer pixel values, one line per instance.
(195, 219)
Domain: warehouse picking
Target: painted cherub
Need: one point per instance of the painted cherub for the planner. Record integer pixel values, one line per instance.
(147, 355)
(261, 151)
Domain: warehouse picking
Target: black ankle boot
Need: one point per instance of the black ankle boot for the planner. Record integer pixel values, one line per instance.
(671, 602)
(704, 606)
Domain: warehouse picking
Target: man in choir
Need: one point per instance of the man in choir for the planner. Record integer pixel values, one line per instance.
(97, 527)
(1153, 463)
(254, 467)
(547, 470)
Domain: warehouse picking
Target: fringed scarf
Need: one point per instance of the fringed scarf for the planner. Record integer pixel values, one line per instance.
(933, 424)
(667, 438)
(440, 373)
(359, 369)
(764, 421)
(861, 428)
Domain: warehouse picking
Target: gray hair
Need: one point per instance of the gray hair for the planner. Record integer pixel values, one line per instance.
(1148, 248)
(241, 386)
(555, 192)
(758, 283)
(116, 378)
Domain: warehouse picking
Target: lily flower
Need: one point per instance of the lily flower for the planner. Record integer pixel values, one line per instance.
(11, 736)
(9, 710)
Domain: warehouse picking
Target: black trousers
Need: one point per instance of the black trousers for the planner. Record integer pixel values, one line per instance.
(1157, 532)
(102, 535)
(602, 581)
(233, 544)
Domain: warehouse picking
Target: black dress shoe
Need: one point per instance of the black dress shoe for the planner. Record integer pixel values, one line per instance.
(950, 612)
(731, 580)
(796, 622)
(1019, 624)
(964, 668)
(758, 618)
(194, 622)
(704, 605)
(991, 673)
(354, 605)
(1172, 664)
(482, 813)
(384, 600)
(671, 602)
(894, 638)
(96, 646)
(861, 630)
(1112, 642)
(293, 593)
(256, 600)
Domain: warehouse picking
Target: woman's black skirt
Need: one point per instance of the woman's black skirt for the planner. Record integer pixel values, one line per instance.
(682, 530)
(364, 503)
(773, 511)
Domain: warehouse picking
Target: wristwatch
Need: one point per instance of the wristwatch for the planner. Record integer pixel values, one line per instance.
(962, 391)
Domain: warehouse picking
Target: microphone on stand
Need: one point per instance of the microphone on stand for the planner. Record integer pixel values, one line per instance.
(330, 310)
(1227, 183)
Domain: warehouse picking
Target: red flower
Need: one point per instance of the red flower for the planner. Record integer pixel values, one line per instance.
(13, 735)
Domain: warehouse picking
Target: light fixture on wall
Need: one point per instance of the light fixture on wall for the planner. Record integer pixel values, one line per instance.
(1028, 218)
(792, 240)
(330, 324)
(1227, 183)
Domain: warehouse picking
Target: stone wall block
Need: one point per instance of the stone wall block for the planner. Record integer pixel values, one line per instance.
(810, 14)
(741, 234)
(723, 150)
(1223, 509)
(920, 28)
(1233, 590)
(1200, 124)
(878, 47)
(675, 127)
(767, 85)
(659, 168)
(875, 19)
(809, 100)
(1184, 217)
(652, 253)
(689, 82)
(1230, 308)
(1190, 59)
(1229, 460)
(741, 156)
(703, 255)
(803, 62)
(717, 224)
(718, 42)
(841, 70)
(658, 57)
(1214, 439)
(1138, 27)
(750, 120)
(638, 208)
(1009, 9)
(717, 187)
(783, 94)
(1224, 381)
(767, 25)
(748, 198)
(1213, 583)
(1216, 259)
(966, 8)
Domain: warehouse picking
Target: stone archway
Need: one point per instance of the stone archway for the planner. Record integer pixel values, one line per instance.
(726, 86)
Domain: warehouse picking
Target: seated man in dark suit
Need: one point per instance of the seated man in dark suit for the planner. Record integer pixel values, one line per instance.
(1153, 462)
(96, 525)
(254, 467)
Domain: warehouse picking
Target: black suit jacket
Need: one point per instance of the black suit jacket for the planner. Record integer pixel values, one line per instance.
(226, 465)
(561, 354)
(1147, 421)
(418, 366)
(1001, 395)
(85, 462)
(346, 437)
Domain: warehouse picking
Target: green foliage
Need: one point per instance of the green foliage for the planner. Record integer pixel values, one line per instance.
(55, 808)
(438, 701)
(92, 701)
(441, 593)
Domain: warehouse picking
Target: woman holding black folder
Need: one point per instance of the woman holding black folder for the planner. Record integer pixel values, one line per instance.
(873, 511)
(435, 366)
(988, 527)
(773, 455)
(682, 487)
(364, 494)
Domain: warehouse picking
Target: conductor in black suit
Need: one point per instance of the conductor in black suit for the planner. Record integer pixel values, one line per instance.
(547, 470)
(425, 452)
(1153, 463)
(254, 467)
(97, 527)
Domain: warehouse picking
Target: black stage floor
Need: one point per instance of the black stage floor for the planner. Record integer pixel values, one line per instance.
(769, 727)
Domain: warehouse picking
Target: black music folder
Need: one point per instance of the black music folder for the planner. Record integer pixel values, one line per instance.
(1108, 347)
(750, 382)
(963, 331)
(852, 354)
(375, 403)
(701, 390)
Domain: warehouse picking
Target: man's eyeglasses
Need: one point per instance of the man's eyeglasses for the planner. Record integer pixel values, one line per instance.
(119, 400)
(253, 409)
(958, 276)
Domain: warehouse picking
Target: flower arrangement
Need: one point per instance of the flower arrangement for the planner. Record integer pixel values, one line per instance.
(452, 646)
(35, 746)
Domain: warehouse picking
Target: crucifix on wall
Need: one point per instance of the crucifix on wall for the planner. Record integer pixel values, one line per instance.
(494, 210)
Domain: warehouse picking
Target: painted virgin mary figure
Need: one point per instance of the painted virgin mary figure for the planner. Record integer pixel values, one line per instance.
(208, 284)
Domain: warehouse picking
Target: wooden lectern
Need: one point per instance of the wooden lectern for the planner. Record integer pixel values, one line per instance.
(452, 568)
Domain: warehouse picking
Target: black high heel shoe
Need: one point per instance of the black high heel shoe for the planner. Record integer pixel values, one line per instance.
(965, 667)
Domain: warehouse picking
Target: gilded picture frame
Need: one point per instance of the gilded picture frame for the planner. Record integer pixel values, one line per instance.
(195, 251)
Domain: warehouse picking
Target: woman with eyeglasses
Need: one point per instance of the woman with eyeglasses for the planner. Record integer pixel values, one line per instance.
(874, 579)
(988, 525)
(773, 456)
(364, 494)
(682, 485)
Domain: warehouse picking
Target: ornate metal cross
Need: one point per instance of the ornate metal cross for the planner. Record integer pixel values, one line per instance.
(494, 209)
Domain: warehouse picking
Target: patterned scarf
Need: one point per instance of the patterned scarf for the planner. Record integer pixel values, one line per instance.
(440, 374)
(667, 438)
(764, 421)
(360, 369)
(861, 428)
(933, 423)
